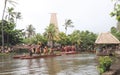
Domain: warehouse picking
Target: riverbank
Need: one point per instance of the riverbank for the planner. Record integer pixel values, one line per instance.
(115, 67)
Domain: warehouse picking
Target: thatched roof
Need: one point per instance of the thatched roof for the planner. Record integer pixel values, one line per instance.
(106, 38)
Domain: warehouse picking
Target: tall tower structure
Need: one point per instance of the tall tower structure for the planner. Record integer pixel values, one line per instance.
(53, 20)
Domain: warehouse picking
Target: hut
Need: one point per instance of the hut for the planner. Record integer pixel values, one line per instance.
(106, 44)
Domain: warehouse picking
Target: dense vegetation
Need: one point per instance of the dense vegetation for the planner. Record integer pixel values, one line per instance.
(104, 63)
(83, 39)
(11, 36)
(116, 13)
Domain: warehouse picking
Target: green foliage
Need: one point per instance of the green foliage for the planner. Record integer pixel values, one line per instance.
(62, 38)
(68, 23)
(40, 38)
(116, 11)
(75, 37)
(115, 32)
(50, 32)
(87, 40)
(104, 63)
(11, 36)
(30, 30)
(70, 39)
(34, 40)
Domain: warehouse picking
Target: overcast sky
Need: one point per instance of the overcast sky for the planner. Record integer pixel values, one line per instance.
(92, 15)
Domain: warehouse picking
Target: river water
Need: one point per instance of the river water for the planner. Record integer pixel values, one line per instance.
(78, 64)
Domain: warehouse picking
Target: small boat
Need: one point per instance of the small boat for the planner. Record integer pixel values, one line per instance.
(68, 53)
(18, 56)
(27, 57)
(39, 56)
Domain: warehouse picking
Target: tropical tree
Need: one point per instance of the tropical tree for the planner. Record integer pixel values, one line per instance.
(24, 34)
(11, 36)
(68, 23)
(75, 37)
(87, 40)
(30, 31)
(115, 32)
(17, 16)
(38, 38)
(11, 14)
(50, 34)
(5, 4)
(62, 38)
(116, 13)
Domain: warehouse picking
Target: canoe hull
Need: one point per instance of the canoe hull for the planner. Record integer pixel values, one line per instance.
(69, 53)
(34, 57)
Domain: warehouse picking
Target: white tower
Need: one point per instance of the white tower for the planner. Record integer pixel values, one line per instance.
(53, 20)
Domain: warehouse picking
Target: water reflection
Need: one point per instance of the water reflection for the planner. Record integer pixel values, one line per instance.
(80, 64)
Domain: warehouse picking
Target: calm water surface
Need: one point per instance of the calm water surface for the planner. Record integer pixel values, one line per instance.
(79, 64)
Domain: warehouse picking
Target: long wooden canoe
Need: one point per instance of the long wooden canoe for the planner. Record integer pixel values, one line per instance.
(36, 56)
(18, 56)
(68, 53)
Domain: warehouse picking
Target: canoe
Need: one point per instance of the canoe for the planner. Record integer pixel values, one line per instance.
(18, 56)
(42, 56)
(68, 53)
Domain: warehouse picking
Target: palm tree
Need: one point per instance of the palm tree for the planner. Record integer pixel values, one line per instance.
(62, 38)
(5, 3)
(30, 31)
(75, 37)
(11, 17)
(17, 16)
(11, 14)
(50, 30)
(68, 23)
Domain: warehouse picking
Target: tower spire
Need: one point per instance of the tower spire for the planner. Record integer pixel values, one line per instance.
(53, 20)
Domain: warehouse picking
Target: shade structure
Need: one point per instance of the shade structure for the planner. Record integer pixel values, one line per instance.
(106, 38)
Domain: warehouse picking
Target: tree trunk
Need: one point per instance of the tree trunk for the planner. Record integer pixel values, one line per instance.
(118, 26)
(2, 24)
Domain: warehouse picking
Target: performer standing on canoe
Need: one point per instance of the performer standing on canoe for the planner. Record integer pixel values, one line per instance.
(30, 50)
(38, 48)
(45, 50)
(51, 51)
(73, 48)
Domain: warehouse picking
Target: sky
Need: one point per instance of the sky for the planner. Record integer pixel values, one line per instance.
(92, 15)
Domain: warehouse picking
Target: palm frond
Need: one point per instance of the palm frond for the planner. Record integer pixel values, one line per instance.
(12, 2)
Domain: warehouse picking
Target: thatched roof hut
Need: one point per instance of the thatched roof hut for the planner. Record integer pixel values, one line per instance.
(106, 44)
(106, 38)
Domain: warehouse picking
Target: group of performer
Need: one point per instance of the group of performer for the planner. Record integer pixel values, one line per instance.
(39, 49)
(68, 48)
